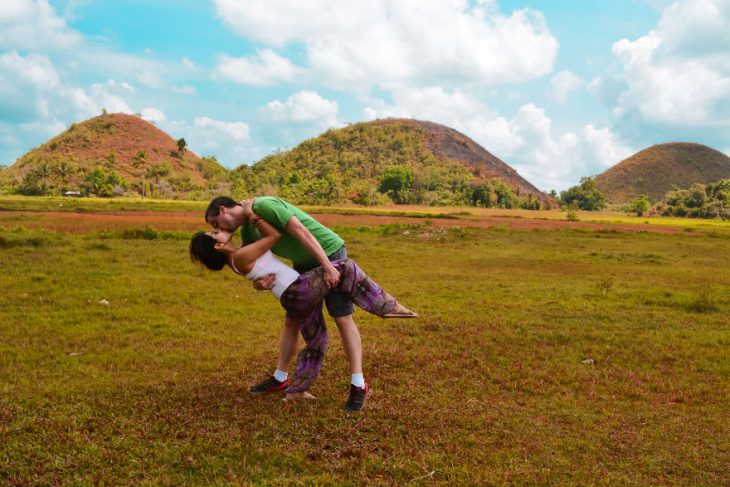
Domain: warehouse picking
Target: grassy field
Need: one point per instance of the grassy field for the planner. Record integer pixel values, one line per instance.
(555, 356)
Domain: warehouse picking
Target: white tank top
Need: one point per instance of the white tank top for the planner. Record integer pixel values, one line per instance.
(268, 264)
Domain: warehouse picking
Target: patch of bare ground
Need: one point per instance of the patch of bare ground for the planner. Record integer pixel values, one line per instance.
(182, 220)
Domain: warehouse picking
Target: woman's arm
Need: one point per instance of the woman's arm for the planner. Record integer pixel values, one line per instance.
(245, 256)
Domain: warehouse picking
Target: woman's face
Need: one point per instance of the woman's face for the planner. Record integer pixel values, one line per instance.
(220, 236)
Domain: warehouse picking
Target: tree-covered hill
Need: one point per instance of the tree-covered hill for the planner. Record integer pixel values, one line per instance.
(385, 161)
(113, 154)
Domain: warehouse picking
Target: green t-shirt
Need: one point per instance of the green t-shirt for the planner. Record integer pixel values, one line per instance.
(277, 212)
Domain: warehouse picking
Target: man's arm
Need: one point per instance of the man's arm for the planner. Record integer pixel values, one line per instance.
(305, 237)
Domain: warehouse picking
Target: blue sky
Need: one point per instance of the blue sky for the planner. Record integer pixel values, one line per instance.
(557, 89)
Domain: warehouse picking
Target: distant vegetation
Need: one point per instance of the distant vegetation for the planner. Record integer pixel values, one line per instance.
(584, 196)
(698, 201)
(371, 164)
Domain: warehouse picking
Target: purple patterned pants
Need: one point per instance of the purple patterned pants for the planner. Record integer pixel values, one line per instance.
(302, 300)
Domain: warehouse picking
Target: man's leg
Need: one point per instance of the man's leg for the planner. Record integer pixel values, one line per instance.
(351, 342)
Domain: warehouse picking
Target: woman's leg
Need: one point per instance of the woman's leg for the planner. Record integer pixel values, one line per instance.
(310, 359)
(303, 299)
(363, 291)
(310, 289)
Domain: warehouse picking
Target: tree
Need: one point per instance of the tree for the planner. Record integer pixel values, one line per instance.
(96, 183)
(140, 164)
(697, 196)
(29, 185)
(396, 178)
(699, 201)
(640, 205)
(397, 182)
(65, 169)
(103, 184)
(181, 145)
(159, 170)
(43, 172)
(585, 195)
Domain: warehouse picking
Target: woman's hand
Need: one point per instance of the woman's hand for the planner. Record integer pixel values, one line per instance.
(264, 283)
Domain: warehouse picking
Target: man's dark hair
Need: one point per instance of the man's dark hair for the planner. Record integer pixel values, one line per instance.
(215, 205)
(202, 249)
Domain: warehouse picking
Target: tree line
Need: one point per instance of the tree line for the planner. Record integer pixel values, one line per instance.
(700, 200)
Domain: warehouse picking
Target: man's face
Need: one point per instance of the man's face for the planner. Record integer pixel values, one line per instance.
(224, 220)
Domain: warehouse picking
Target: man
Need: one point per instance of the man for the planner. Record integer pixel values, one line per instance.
(308, 244)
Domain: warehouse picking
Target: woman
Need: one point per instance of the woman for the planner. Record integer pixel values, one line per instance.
(298, 293)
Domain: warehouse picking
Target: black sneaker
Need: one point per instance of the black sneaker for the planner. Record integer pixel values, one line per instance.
(270, 385)
(357, 398)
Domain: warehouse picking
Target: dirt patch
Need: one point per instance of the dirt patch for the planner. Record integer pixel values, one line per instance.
(192, 221)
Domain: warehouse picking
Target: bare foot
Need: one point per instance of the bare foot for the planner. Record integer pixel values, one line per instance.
(401, 312)
(299, 396)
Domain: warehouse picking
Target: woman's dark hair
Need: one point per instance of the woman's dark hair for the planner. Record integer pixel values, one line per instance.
(214, 207)
(202, 250)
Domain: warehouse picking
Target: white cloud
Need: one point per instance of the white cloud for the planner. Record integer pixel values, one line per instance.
(304, 107)
(33, 24)
(604, 147)
(25, 84)
(563, 83)
(187, 63)
(147, 72)
(552, 161)
(31, 91)
(150, 77)
(103, 97)
(123, 85)
(228, 141)
(353, 45)
(678, 73)
(34, 69)
(153, 115)
(265, 68)
(238, 131)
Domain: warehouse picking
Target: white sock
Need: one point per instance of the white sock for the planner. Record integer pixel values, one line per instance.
(280, 375)
(358, 380)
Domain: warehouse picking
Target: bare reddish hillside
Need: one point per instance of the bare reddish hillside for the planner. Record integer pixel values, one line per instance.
(114, 142)
(447, 143)
(656, 170)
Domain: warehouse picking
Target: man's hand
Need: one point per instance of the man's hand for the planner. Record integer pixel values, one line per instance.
(264, 283)
(331, 276)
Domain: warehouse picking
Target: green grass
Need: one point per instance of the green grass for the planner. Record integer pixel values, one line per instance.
(540, 357)
(96, 205)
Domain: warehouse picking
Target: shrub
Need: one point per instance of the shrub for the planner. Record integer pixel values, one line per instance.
(585, 196)
(640, 205)
(699, 201)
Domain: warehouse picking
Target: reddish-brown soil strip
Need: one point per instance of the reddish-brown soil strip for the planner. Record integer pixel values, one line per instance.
(191, 221)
